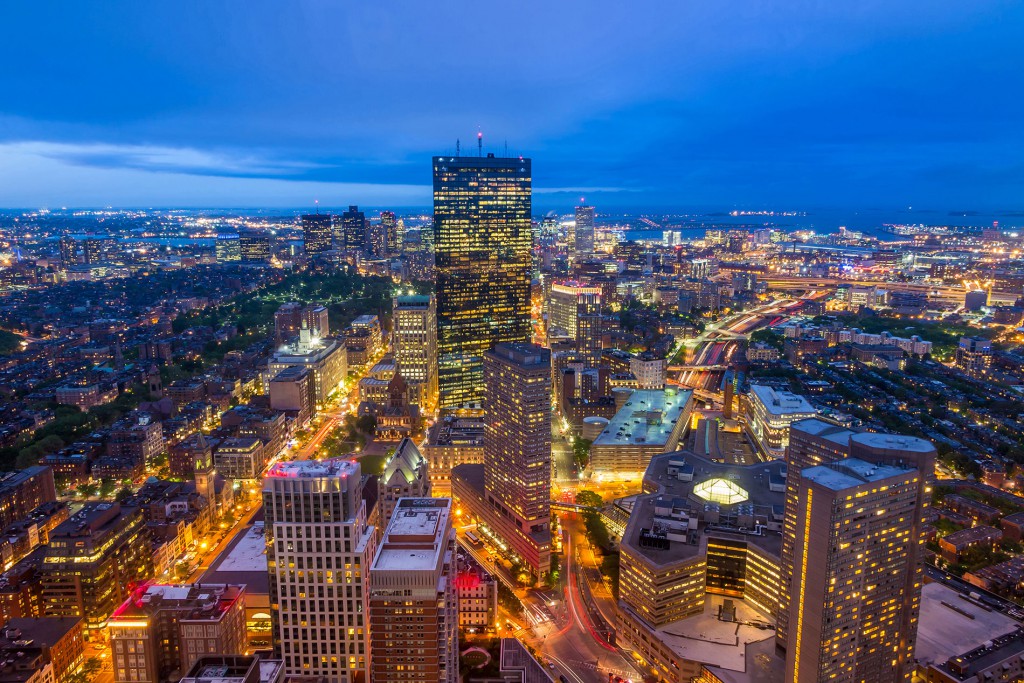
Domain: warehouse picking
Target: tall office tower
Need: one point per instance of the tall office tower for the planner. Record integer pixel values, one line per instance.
(228, 247)
(414, 573)
(391, 236)
(517, 449)
(319, 550)
(584, 243)
(254, 247)
(414, 333)
(483, 265)
(351, 233)
(316, 233)
(576, 309)
(68, 250)
(854, 513)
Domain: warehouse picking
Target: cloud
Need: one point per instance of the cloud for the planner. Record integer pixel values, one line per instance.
(45, 174)
(162, 159)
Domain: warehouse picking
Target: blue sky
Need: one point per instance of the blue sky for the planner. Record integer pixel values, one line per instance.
(646, 104)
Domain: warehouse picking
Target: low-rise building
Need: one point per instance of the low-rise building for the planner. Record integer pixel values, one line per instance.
(770, 412)
(953, 545)
(161, 629)
(90, 561)
(650, 422)
(240, 457)
(56, 643)
(452, 441)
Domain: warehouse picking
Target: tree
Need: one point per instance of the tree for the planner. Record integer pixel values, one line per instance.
(581, 451)
(107, 486)
(589, 498)
(87, 490)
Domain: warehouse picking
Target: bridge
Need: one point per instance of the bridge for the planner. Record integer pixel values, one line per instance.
(572, 507)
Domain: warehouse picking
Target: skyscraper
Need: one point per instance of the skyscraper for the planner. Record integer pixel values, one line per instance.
(351, 233)
(483, 263)
(584, 243)
(517, 449)
(414, 333)
(319, 550)
(576, 309)
(228, 247)
(852, 553)
(391, 236)
(414, 573)
(316, 233)
(254, 247)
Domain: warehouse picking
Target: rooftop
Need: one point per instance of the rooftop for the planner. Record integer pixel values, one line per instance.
(698, 497)
(647, 418)
(199, 601)
(704, 638)
(335, 467)
(949, 625)
(244, 561)
(415, 539)
(781, 402)
(851, 472)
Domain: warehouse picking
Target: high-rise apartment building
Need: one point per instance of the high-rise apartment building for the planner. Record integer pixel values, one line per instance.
(413, 573)
(852, 552)
(319, 551)
(584, 242)
(350, 233)
(316, 233)
(483, 265)
(68, 250)
(414, 333)
(517, 449)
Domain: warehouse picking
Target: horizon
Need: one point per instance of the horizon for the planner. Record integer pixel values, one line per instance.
(665, 105)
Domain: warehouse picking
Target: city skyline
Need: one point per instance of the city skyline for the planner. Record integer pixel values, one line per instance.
(744, 106)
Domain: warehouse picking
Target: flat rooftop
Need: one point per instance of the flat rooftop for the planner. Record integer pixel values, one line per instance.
(741, 496)
(415, 537)
(243, 561)
(851, 472)
(950, 626)
(723, 644)
(295, 469)
(781, 402)
(647, 418)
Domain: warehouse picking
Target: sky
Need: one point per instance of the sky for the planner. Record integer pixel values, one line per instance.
(647, 104)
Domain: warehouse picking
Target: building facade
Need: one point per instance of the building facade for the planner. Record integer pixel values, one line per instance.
(414, 334)
(413, 573)
(316, 233)
(483, 265)
(319, 551)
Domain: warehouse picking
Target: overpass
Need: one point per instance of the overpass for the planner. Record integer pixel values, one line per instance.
(685, 368)
(945, 292)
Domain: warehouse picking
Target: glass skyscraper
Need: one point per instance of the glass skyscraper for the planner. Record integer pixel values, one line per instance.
(482, 257)
(316, 233)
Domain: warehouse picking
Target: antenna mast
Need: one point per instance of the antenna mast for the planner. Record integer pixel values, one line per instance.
(480, 143)
(457, 143)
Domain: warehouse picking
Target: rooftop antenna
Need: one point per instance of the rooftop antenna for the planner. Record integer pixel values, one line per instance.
(506, 148)
(317, 203)
(457, 144)
(480, 143)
